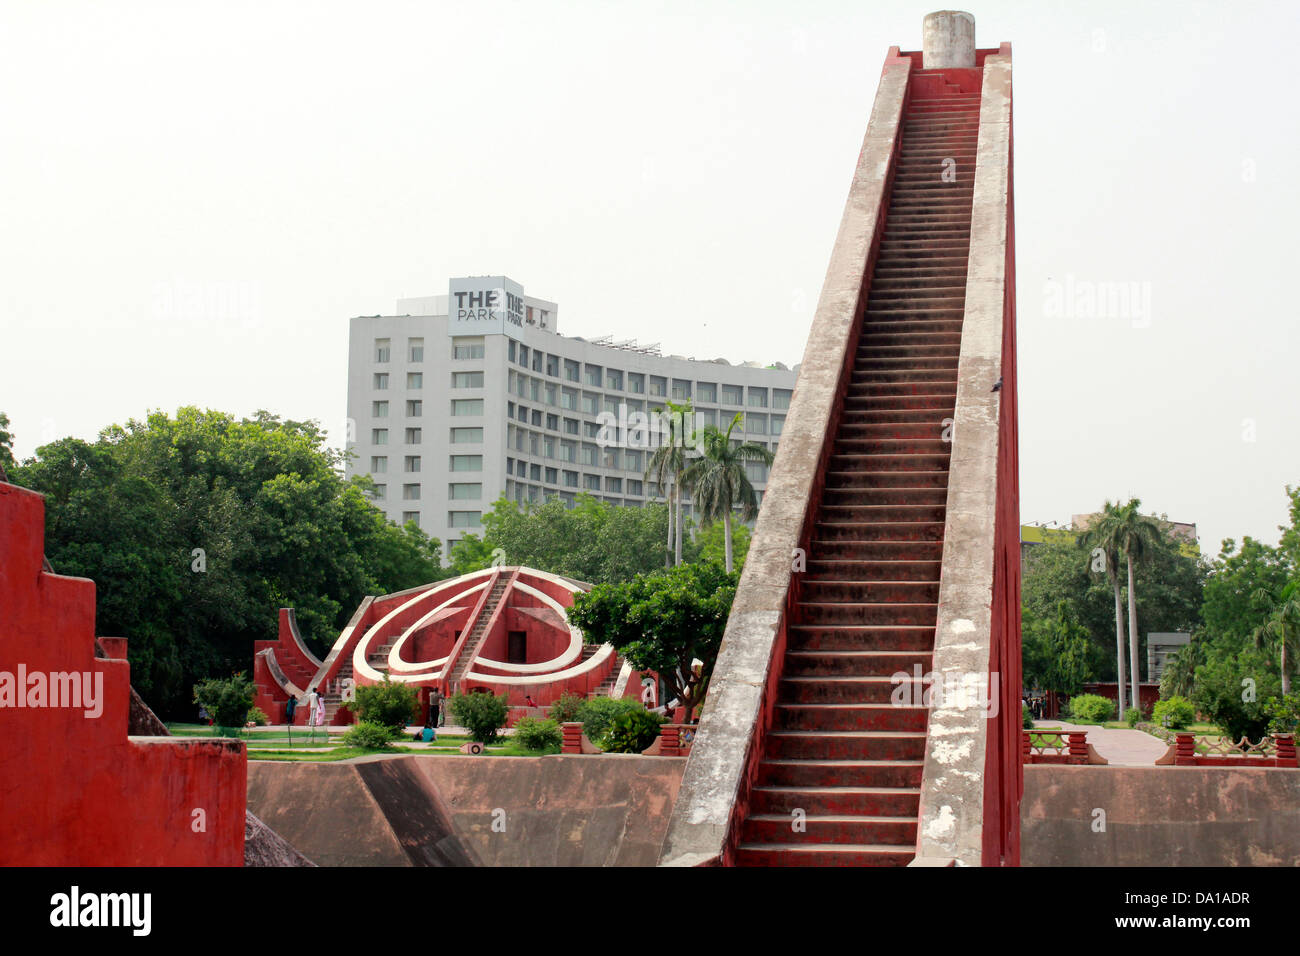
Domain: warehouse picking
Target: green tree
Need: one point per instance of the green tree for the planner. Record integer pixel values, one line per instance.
(392, 704)
(1137, 536)
(197, 527)
(1281, 632)
(666, 469)
(719, 483)
(593, 541)
(470, 554)
(1057, 654)
(1103, 539)
(663, 622)
(6, 446)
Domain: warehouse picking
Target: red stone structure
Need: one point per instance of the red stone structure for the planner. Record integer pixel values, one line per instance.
(78, 791)
(502, 630)
(885, 560)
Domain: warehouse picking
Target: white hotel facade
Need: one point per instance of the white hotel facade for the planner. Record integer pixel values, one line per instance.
(462, 397)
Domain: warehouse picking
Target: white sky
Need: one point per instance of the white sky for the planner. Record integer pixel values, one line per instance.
(197, 196)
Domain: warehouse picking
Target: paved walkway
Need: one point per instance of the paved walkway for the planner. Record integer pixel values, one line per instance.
(1121, 748)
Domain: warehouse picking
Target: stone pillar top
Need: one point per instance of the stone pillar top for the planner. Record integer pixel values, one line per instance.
(948, 40)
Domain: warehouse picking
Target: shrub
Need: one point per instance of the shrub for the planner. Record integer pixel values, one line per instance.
(481, 714)
(1091, 708)
(599, 713)
(368, 736)
(567, 707)
(1179, 710)
(1283, 714)
(390, 703)
(1133, 716)
(227, 700)
(1220, 692)
(257, 716)
(534, 734)
(632, 732)
(1026, 717)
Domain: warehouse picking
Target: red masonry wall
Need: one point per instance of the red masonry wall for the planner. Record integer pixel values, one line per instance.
(77, 790)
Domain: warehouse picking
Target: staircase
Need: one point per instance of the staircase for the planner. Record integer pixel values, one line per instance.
(839, 780)
(475, 640)
(334, 697)
(615, 668)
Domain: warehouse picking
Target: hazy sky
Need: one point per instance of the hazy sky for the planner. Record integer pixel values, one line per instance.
(197, 196)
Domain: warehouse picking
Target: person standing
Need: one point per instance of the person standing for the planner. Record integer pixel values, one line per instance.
(290, 709)
(435, 707)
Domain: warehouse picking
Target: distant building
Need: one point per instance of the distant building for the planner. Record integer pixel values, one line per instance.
(1032, 534)
(463, 397)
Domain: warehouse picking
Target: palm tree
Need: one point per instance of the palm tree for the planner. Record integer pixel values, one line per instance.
(1283, 629)
(666, 466)
(1102, 535)
(719, 482)
(1137, 535)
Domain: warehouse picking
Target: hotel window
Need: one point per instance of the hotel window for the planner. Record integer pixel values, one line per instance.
(568, 451)
(381, 381)
(466, 462)
(523, 414)
(538, 359)
(461, 436)
(571, 426)
(658, 385)
(681, 390)
(467, 406)
(614, 484)
(572, 370)
(569, 400)
(521, 386)
(611, 404)
(379, 409)
(464, 519)
(553, 423)
(414, 408)
(611, 459)
(535, 389)
(552, 476)
(379, 436)
(410, 492)
(781, 398)
(548, 447)
(466, 379)
(378, 464)
(534, 443)
(632, 461)
(412, 463)
(520, 436)
(591, 429)
(415, 350)
(413, 436)
(411, 517)
(756, 424)
(571, 479)
(732, 395)
(778, 422)
(467, 348)
(382, 348)
(633, 486)
(537, 419)
(706, 416)
(635, 405)
(553, 366)
(588, 454)
(756, 471)
(757, 397)
(511, 349)
(535, 472)
(593, 376)
(614, 379)
(552, 395)
(636, 383)
(465, 491)
(381, 492)
(706, 392)
(590, 403)
(591, 482)
(523, 355)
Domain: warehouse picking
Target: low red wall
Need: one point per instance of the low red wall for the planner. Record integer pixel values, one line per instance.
(77, 790)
